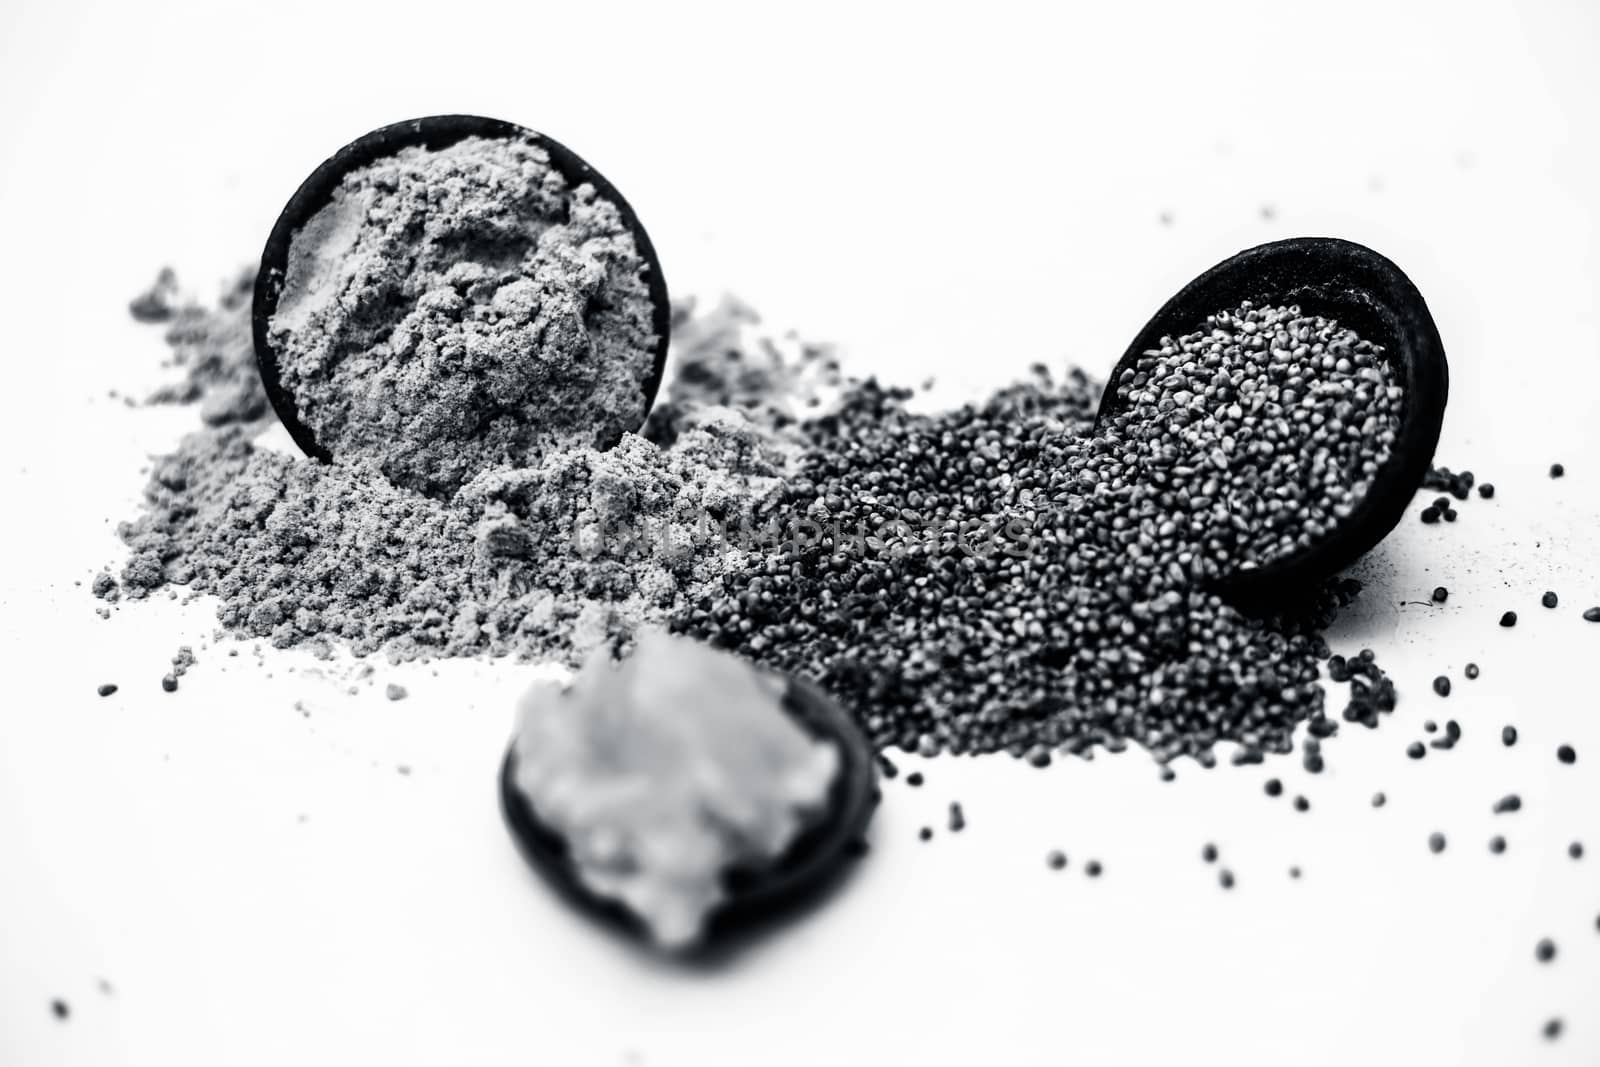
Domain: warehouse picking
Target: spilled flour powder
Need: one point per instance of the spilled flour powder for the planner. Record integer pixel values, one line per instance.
(546, 560)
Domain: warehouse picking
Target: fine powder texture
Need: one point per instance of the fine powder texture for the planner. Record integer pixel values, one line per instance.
(457, 309)
(548, 561)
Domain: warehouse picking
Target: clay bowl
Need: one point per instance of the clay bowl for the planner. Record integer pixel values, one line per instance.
(1363, 290)
(432, 132)
(757, 897)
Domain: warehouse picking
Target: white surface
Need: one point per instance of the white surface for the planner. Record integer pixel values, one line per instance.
(953, 192)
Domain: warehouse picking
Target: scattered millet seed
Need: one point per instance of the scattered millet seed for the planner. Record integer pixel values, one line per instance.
(1508, 735)
(887, 768)
(1081, 615)
(1440, 594)
(1552, 1029)
(106, 690)
(1209, 853)
(1225, 878)
(1274, 788)
(1566, 754)
(1545, 950)
(1415, 750)
(1486, 490)
(1557, 470)
(1441, 685)
(1436, 843)
(926, 833)
(1508, 803)
(1592, 614)
(1471, 671)
(1055, 859)
(958, 819)
(1549, 600)
(1302, 804)
(1497, 844)
(60, 1009)
(1294, 872)
(1508, 619)
(1430, 515)
(914, 778)
(1449, 514)
(1092, 868)
(1379, 800)
(169, 683)
(1575, 850)
(1168, 774)
(1429, 726)
(394, 691)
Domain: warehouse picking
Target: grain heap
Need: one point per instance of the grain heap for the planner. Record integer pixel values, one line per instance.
(1000, 578)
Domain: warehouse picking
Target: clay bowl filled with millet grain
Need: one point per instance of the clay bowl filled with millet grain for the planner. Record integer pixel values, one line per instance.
(756, 898)
(433, 133)
(1366, 292)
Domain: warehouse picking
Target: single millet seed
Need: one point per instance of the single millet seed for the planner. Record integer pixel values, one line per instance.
(1436, 843)
(1508, 619)
(1557, 470)
(1273, 787)
(106, 690)
(1549, 600)
(1545, 950)
(1209, 853)
(1440, 594)
(1507, 804)
(1441, 685)
(1416, 750)
(1567, 754)
(1508, 735)
(1056, 860)
(1379, 800)
(1471, 671)
(1497, 844)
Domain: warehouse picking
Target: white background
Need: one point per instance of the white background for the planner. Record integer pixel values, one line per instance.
(948, 191)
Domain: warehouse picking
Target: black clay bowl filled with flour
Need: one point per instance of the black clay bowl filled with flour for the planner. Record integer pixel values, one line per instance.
(455, 293)
(1317, 353)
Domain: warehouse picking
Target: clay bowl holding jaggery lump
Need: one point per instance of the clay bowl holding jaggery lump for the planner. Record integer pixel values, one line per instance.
(757, 898)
